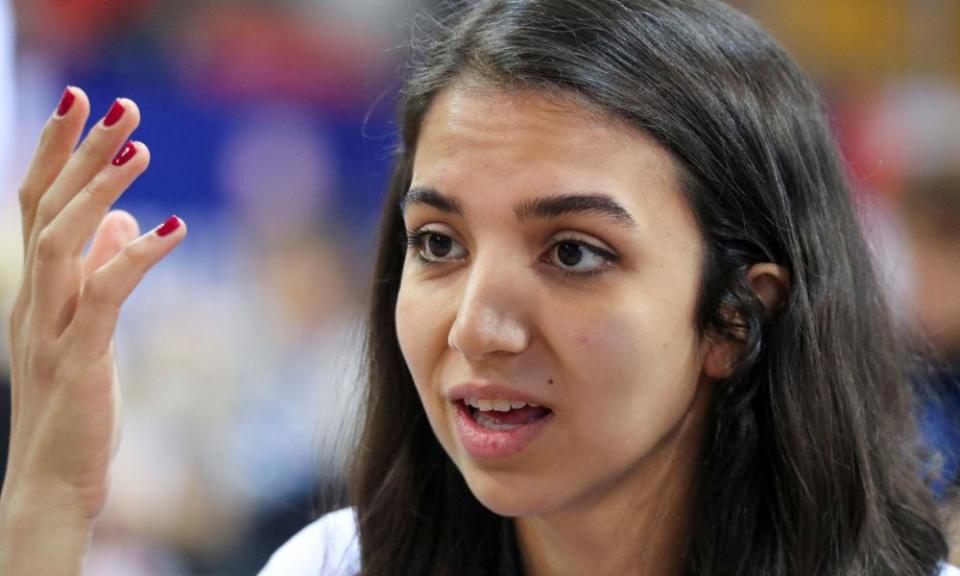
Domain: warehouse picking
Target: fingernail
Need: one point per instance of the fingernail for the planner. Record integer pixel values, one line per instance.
(125, 154)
(171, 224)
(114, 114)
(66, 102)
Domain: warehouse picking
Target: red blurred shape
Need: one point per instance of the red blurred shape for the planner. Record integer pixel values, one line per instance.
(252, 52)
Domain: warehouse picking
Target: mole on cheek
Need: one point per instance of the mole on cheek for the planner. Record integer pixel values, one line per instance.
(550, 381)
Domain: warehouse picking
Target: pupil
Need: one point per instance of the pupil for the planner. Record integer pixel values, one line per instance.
(569, 253)
(439, 245)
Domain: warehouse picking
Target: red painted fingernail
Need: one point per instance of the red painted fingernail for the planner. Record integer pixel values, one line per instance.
(125, 154)
(114, 114)
(66, 102)
(169, 226)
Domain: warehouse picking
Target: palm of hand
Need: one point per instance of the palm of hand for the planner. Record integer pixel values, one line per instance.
(66, 394)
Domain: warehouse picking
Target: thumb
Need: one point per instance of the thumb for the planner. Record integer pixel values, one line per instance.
(116, 230)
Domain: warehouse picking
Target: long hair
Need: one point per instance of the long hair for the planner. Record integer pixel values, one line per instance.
(808, 465)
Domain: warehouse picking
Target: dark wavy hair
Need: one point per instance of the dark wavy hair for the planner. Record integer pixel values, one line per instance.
(809, 464)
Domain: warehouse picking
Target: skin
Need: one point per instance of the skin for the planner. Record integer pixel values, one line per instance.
(66, 398)
(616, 356)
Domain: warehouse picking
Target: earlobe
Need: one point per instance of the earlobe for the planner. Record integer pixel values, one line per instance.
(771, 283)
(721, 356)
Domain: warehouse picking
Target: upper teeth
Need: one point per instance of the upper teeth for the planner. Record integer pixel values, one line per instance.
(498, 404)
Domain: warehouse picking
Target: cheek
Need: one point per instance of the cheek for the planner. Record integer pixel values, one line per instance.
(405, 318)
(423, 338)
(634, 375)
(422, 335)
(413, 331)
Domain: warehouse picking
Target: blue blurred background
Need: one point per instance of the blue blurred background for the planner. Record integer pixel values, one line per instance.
(270, 127)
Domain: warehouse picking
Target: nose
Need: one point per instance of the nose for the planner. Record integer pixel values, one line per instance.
(492, 318)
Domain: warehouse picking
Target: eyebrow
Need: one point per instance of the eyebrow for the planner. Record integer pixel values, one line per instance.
(537, 208)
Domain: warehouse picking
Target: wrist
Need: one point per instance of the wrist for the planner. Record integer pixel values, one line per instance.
(39, 536)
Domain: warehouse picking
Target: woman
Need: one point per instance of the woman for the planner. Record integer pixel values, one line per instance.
(623, 320)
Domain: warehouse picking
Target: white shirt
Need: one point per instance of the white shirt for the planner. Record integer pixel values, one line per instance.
(329, 547)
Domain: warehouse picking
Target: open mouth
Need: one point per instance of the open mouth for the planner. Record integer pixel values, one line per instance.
(502, 415)
(491, 431)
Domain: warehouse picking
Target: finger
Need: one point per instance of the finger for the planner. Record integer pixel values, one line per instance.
(116, 230)
(56, 275)
(57, 140)
(98, 148)
(106, 290)
(78, 220)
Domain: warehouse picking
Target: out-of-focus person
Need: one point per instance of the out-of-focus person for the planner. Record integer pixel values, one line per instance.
(930, 208)
(224, 455)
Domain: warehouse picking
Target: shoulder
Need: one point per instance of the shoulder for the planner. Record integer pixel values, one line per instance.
(327, 547)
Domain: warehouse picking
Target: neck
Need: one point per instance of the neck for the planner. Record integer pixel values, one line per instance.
(637, 524)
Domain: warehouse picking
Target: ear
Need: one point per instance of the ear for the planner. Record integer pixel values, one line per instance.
(771, 283)
(721, 355)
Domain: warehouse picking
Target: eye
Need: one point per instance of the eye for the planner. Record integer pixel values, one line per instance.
(571, 256)
(434, 247)
(578, 258)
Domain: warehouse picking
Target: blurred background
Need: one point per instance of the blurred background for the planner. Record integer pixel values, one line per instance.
(270, 128)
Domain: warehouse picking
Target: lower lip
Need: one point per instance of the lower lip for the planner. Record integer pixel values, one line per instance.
(481, 442)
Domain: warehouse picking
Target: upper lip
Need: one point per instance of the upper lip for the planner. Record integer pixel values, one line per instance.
(490, 391)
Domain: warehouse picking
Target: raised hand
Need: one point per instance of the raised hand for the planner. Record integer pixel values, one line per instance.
(66, 397)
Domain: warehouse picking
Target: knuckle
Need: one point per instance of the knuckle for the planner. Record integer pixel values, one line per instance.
(86, 153)
(94, 184)
(93, 192)
(27, 195)
(137, 254)
(47, 210)
(48, 245)
(97, 289)
(43, 357)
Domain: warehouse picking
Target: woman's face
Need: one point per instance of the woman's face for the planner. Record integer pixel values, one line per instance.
(563, 271)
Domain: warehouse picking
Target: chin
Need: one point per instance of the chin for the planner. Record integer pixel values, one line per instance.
(507, 495)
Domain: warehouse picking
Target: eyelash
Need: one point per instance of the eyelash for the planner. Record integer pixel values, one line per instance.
(415, 241)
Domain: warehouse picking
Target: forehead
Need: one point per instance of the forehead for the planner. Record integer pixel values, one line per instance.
(480, 139)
